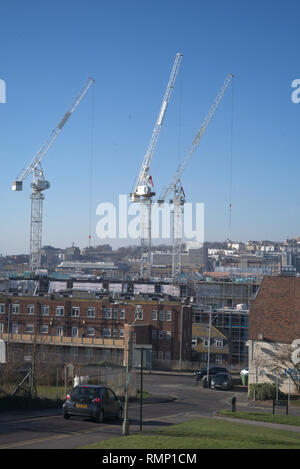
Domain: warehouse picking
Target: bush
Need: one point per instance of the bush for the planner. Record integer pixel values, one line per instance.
(264, 391)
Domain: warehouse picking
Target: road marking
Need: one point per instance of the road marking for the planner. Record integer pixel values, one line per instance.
(54, 437)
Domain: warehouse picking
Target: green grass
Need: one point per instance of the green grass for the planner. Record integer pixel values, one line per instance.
(263, 417)
(205, 433)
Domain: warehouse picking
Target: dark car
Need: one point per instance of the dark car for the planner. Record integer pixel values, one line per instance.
(94, 401)
(212, 371)
(221, 381)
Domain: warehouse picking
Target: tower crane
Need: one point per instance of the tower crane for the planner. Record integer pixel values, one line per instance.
(143, 190)
(40, 184)
(175, 187)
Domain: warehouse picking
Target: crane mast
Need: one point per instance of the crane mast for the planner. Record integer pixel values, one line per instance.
(143, 190)
(40, 184)
(175, 186)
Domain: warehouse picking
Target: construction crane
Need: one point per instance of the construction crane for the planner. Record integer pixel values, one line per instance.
(143, 191)
(40, 184)
(175, 187)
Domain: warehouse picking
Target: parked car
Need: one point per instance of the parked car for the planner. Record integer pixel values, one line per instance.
(212, 371)
(221, 381)
(94, 401)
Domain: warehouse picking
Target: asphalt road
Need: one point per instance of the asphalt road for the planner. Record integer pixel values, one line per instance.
(54, 432)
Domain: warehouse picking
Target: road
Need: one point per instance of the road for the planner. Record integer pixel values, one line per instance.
(54, 432)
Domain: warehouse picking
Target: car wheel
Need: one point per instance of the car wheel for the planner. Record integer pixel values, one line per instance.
(100, 416)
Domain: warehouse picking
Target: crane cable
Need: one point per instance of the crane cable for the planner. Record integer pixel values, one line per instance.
(91, 164)
(230, 158)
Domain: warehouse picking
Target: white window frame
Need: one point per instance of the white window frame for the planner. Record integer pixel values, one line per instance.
(122, 333)
(168, 335)
(1, 327)
(90, 331)
(60, 311)
(90, 312)
(161, 315)
(107, 313)
(75, 313)
(45, 310)
(15, 308)
(161, 335)
(139, 314)
(44, 329)
(106, 332)
(30, 309)
(29, 328)
(154, 315)
(218, 343)
(115, 313)
(122, 313)
(74, 331)
(115, 332)
(169, 315)
(15, 328)
(2, 308)
(60, 331)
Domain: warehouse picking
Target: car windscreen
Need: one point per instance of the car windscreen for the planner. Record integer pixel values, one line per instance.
(84, 392)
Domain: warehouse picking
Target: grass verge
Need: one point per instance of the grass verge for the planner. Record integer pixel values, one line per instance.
(205, 433)
(262, 417)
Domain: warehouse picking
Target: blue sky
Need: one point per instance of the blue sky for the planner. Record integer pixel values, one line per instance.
(48, 49)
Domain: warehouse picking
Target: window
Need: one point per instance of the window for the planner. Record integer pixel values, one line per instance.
(139, 312)
(44, 329)
(15, 308)
(115, 332)
(121, 332)
(107, 313)
(2, 308)
(75, 312)
(122, 313)
(161, 334)
(59, 330)
(90, 331)
(30, 309)
(1, 327)
(29, 328)
(74, 331)
(169, 315)
(116, 313)
(168, 355)
(168, 335)
(90, 312)
(154, 314)
(106, 332)
(60, 311)
(205, 342)
(160, 355)
(14, 328)
(219, 343)
(161, 315)
(154, 333)
(45, 310)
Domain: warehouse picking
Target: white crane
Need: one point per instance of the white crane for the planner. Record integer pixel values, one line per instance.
(39, 184)
(175, 186)
(143, 191)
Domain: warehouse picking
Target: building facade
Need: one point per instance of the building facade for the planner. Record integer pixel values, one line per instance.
(89, 329)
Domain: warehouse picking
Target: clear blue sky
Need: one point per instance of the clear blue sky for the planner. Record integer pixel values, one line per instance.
(48, 49)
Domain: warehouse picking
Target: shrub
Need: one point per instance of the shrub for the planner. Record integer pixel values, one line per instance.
(264, 391)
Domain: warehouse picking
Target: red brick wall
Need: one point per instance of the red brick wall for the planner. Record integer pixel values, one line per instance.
(275, 313)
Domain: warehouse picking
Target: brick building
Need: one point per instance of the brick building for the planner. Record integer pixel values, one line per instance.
(274, 323)
(89, 329)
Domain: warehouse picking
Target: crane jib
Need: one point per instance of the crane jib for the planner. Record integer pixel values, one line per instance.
(64, 120)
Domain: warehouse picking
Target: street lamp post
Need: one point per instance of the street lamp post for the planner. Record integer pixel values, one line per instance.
(125, 426)
(208, 354)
